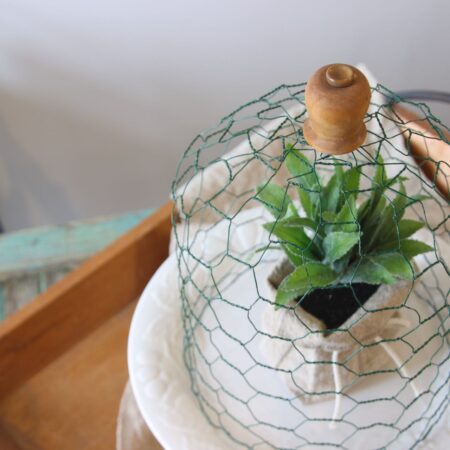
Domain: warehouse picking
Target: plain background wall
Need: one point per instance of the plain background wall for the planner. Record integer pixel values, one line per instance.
(98, 98)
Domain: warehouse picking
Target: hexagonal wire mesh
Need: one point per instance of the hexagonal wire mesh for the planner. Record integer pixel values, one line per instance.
(278, 377)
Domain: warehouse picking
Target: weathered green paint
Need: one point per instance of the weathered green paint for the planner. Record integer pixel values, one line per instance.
(2, 302)
(31, 260)
(36, 248)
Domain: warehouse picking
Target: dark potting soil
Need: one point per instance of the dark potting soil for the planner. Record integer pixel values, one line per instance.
(334, 306)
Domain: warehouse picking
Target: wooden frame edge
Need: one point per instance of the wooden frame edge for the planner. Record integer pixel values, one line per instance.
(427, 147)
(72, 308)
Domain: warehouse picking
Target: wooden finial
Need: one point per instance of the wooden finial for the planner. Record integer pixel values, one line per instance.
(337, 97)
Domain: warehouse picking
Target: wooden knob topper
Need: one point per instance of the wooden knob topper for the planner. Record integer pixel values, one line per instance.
(337, 97)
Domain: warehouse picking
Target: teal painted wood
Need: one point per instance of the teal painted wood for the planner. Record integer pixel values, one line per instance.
(2, 302)
(33, 259)
(32, 249)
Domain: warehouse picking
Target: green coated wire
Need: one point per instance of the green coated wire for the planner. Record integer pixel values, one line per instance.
(206, 274)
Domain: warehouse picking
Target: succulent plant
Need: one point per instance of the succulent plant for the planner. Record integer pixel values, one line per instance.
(341, 235)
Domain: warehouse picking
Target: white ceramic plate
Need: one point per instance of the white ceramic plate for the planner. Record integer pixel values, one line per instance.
(161, 383)
(158, 376)
(162, 386)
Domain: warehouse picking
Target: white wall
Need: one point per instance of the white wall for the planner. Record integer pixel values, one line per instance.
(98, 98)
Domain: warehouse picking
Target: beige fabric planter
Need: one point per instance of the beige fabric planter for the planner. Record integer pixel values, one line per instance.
(315, 364)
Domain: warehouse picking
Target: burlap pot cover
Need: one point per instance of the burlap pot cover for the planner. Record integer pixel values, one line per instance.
(316, 364)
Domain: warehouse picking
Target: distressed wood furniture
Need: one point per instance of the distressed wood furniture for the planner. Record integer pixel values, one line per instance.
(34, 259)
(63, 356)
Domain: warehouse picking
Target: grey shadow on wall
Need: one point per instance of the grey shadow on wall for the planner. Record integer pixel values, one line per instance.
(24, 188)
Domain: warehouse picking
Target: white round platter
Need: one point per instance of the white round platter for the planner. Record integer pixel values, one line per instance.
(162, 387)
(158, 376)
(161, 384)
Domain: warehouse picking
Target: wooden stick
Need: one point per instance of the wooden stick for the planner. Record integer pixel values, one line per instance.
(431, 153)
(75, 306)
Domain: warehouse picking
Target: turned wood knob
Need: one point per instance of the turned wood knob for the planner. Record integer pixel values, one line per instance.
(337, 97)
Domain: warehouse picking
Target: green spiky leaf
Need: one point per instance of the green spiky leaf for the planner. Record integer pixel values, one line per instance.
(407, 247)
(329, 217)
(275, 199)
(338, 243)
(331, 193)
(385, 221)
(396, 263)
(293, 238)
(308, 276)
(351, 181)
(368, 271)
(407, 228)
(306, 179)
(346, 218)
(293, 223)
(379, 181)
(300, 167)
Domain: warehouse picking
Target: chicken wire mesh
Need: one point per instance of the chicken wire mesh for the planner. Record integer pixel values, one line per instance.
(273, 374)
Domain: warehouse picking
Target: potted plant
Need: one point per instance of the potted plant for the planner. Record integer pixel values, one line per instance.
(346, 272)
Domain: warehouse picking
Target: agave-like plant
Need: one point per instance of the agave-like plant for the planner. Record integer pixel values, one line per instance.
(337, 238)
